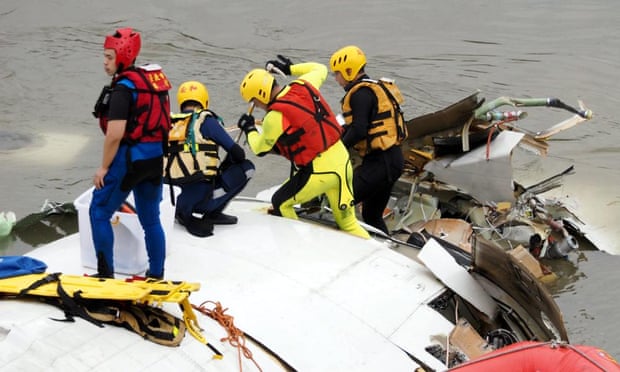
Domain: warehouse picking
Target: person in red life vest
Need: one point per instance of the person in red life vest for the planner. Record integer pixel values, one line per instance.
(192, 162)
(134, 115)
(375, 127)
(300, 125)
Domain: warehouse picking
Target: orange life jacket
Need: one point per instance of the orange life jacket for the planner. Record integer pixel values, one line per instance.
(387, 127)
(309, 124)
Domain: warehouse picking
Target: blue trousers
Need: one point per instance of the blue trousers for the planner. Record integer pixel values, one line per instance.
(110, 197)
(211, 197)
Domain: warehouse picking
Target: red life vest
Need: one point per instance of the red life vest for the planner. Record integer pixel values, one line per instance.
(309, 125)
(150, 112)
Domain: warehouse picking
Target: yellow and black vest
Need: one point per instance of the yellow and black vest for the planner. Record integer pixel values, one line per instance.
(190, 156)
(387, 126)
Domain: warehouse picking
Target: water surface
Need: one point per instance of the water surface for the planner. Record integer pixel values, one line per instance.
(51, 72)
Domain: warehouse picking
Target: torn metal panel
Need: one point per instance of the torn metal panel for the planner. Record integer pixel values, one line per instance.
(456, 277)
(505, 271)
(485, 174)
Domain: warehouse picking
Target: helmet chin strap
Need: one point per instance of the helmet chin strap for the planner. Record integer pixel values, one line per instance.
(120, 66)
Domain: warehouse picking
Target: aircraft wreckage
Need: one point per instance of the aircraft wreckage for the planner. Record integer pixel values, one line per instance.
(458, 183)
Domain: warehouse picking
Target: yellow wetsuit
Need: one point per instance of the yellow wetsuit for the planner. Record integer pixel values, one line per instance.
(329, 173)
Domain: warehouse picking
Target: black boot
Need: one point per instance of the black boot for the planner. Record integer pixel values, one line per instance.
(103, 269)
(151, 276)
(195, 226)
(219, 218)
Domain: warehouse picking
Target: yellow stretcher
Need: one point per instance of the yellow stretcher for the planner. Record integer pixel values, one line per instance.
(152, 292)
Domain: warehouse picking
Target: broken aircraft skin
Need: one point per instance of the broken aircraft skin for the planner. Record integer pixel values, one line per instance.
(458, 166)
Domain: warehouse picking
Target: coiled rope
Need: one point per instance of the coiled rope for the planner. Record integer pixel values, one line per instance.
(235, 337)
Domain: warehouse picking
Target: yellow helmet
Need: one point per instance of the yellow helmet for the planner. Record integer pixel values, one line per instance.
(349, 57)
(257, 84)
(193, 91)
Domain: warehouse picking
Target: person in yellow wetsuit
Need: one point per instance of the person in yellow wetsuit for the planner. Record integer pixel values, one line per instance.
(300, 125)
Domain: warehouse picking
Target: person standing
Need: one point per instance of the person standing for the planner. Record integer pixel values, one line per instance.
(300, 125)
(192, 162)
(375, 127)
(134, 115)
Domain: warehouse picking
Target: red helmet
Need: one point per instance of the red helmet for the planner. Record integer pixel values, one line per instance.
(126, 43)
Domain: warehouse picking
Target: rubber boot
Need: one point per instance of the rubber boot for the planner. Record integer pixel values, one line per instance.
(199, 227)
(149, 275)
(196, 226)
(103, 269)
(219, 218)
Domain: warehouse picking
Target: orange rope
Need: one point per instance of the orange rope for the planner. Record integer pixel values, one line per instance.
(490, 136)
(235, 335)
(493, 128)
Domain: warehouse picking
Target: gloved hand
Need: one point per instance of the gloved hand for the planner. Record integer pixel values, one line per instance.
(282, 63)
(246, 123)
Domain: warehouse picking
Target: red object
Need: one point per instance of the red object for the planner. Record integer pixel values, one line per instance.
(151, 107)
(127, 208)
(310, 127)
(531, 356)
(135, 278)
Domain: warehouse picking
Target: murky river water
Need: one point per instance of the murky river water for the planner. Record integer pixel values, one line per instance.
(51, 73)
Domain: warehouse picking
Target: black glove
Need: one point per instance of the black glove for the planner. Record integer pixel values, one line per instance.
(282, 63)
(246, 123)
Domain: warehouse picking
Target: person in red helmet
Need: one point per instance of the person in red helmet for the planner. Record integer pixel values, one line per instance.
(133, 113)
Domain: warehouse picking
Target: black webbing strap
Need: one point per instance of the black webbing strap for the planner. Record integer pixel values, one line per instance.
(51, 278)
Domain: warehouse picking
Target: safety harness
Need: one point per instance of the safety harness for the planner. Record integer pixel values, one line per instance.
(313, 127)
(387, 126)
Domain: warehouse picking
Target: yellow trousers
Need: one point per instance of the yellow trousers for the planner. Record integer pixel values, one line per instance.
(331, 175)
